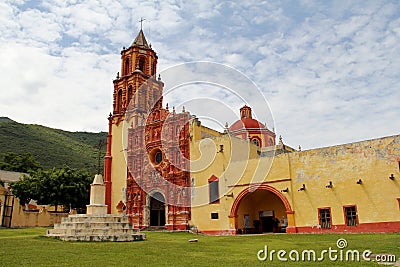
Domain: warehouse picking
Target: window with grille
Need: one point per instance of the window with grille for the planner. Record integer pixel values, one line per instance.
(325, 218)
(350, 215)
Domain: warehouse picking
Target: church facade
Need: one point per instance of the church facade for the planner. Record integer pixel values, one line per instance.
(164, 169)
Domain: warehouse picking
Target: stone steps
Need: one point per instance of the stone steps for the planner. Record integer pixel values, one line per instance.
(156, 228)
(84, 225)
(105, 227)
(102, 238)
(92, 231)
(96, 218)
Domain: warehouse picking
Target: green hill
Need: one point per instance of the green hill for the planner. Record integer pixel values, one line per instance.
(52, 147)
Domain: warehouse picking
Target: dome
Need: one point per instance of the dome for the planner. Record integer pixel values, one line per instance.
(246, 123)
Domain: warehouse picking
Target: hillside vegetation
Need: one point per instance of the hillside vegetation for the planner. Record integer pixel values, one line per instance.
(52, 147)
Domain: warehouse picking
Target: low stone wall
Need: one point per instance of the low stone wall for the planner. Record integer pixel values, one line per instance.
(35, 218)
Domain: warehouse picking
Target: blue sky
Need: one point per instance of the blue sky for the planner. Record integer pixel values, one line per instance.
(329, 69)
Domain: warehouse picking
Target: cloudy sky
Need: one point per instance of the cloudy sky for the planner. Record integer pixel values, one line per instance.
(328, 69)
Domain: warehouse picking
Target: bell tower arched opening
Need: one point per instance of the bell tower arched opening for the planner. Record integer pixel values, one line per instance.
(141, 64)
(127, 67)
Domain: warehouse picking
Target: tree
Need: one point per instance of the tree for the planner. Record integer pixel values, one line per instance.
(19, 162)
(23, 189)
(65, 186)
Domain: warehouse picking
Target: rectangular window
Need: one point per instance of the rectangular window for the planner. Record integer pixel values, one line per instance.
(350, 213)
(214, 192)
(398, 200)
(324, 215)
(213, 187)
(214, 215)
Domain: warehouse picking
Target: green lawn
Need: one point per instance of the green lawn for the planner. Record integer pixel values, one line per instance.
(29, 247)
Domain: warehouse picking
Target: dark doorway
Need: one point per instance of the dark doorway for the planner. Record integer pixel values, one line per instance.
(267, 224)
(157, 210)
(267, 221)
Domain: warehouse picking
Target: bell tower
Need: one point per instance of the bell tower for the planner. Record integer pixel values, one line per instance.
(135, 91)
(138, 65)
(146, 170)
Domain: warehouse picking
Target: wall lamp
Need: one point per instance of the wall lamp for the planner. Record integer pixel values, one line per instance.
(285, 190)
(330, 185)
(391, 177)
(302, 188)
(359, 181)
(229, 195)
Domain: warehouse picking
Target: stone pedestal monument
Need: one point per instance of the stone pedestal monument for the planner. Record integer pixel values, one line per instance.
(97, 197)
(96, 224)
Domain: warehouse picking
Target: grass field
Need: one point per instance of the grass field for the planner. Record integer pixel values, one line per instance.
(29, 247)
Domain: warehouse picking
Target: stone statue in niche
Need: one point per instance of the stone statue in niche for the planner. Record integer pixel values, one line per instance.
(180, 194)
(135, 198)
(156, 133)
(155, 176)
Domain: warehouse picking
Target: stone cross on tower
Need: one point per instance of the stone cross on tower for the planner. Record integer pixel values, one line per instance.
(141, 22)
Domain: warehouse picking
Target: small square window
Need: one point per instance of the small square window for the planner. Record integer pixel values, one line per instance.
(214, 215)
(325, 218)
(350, 213)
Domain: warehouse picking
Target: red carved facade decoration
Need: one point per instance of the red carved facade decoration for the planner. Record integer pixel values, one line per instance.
(157, 162)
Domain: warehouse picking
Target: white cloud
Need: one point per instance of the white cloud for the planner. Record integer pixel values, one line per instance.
(328, 70)
(39, 26)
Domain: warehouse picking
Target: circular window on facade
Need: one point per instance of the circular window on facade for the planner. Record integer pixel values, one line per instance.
(255, 141)
(158, 157)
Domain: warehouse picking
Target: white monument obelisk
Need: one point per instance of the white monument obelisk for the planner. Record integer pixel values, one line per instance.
(97, 204)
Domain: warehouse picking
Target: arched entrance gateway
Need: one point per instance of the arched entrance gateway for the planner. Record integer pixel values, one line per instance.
(157, 209)
(262, 209)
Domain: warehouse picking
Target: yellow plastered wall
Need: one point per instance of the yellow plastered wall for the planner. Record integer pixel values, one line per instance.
(42, 218)
(34, 218)
(371, 161)
(234, 180)
(236, 167)
(118, 167)
(207, 159)
(198, 131)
